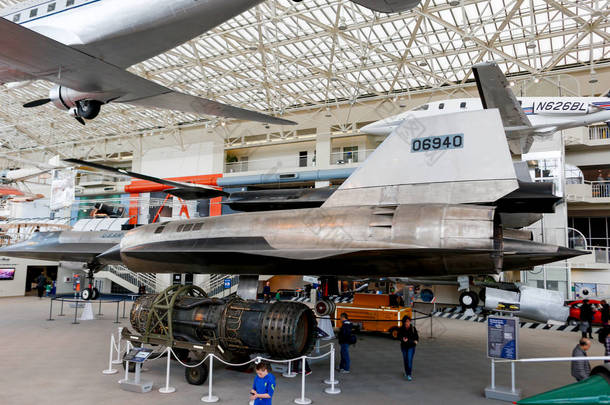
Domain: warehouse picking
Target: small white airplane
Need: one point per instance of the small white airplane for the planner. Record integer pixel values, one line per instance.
(84, 47)
(523, 117)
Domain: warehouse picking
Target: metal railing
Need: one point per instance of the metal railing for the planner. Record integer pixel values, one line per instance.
(277, 163)
(293, 162)
(349, 157)
(602, 254)
(148, 280)
(215, 285)
(598, 189)
(599, 133)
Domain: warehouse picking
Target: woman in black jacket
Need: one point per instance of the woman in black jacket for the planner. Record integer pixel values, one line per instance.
(407, 334)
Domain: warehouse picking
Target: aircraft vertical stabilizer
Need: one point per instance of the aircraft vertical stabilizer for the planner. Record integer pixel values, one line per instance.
(457, 158)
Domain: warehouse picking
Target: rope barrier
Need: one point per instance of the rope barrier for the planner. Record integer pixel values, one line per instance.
(211, 356)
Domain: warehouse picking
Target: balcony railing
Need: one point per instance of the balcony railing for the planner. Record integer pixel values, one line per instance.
(270, 164)
(579, 189)
(599, 133)
(349, 157)
(294, 162)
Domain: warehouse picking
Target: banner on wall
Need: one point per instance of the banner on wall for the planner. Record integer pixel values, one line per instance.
(62, 189)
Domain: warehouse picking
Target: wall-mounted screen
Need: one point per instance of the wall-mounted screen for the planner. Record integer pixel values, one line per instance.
(7, 274)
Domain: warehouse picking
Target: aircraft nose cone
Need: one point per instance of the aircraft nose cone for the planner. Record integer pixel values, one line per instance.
(376, 128)
(566, 253)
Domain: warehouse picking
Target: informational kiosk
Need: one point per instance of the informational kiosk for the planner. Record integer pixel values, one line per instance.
(136, 355)
(502, 344)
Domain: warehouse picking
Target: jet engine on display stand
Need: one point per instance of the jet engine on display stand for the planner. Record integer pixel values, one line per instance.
(193, 324)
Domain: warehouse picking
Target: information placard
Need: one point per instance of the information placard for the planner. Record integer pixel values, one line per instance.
(503, 337)
(138, 355)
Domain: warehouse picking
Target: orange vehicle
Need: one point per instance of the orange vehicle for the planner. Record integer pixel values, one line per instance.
(373, 312)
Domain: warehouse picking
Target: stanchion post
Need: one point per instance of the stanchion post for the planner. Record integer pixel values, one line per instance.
(289, 373)
(99, 311)
(210, 397)
(493, 374)
(117, 312)
(75, 313)
(61, 310)
(118, 348)
(167, 389)
(51, 311)
(302, 400)
(127, 348)
(110, 370)
(512, 376)
(332, 389)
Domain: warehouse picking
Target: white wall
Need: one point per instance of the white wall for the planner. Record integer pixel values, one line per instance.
(16, 287)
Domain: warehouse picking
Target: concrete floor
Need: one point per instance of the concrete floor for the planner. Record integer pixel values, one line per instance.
(57, 362)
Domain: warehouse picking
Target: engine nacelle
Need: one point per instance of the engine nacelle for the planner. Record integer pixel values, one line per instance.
(77, 103)
(535, 303)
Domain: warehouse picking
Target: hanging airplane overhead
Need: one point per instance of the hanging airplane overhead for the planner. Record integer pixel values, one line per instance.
(84, 47)
(524, 118)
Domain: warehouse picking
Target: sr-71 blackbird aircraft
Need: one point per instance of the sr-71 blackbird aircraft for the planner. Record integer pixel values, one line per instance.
(84, 47)
(424, 204)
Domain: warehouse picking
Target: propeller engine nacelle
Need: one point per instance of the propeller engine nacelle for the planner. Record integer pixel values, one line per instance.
(79, 104)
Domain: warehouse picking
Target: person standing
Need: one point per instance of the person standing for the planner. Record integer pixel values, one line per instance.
(581, 369)
(408, 336)
(605, 312)
(41, 280)
(586, 319)
(604, 339)
(267, 292)
(263, 386)
(345, 339)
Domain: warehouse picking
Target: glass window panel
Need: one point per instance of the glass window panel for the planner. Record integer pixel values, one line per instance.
(598, 227)
(582, 224)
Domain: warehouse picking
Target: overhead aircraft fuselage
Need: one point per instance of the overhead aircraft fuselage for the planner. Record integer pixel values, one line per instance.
(546, 114)
(124, 32)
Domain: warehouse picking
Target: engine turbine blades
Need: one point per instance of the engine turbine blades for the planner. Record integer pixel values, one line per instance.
(80, 120)
(37, 103)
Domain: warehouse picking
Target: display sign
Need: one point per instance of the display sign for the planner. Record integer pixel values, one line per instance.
(62, 189)
(7, 274)
(227, 283)
(138, 355)
(502, 337)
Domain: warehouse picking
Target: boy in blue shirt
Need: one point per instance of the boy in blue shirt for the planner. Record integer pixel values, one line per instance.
(263, 386)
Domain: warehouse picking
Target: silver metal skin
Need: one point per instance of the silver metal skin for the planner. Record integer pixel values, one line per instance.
(535, 303)
(87, 46)
(67, 246)
(374, 236)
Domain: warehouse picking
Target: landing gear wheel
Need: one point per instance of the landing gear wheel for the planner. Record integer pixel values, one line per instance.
(88, 109)
(469, 300)
(325, 307)
(196, 375)
(95, 293)
(86, 294)
(394, 332)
